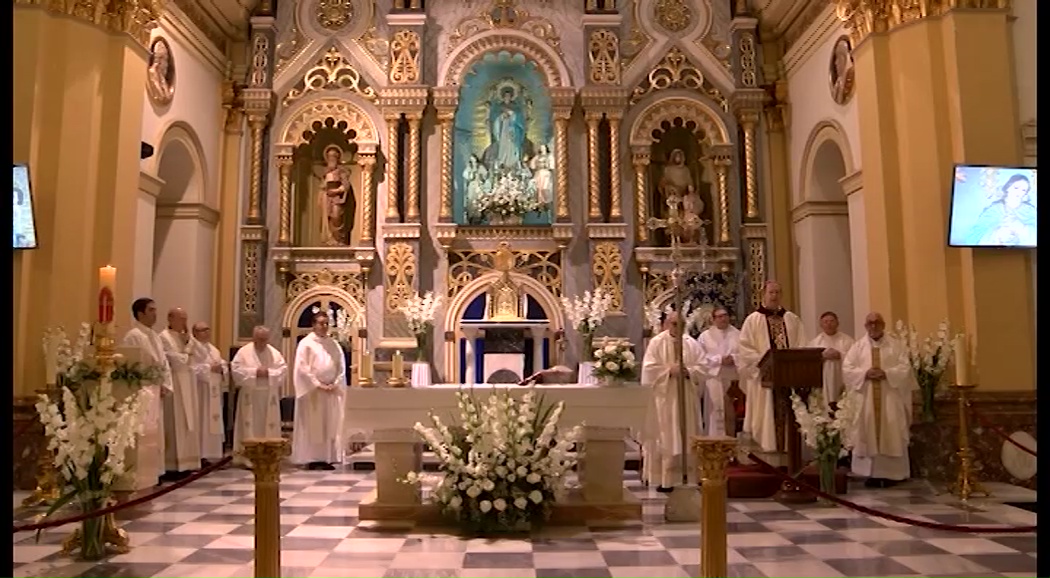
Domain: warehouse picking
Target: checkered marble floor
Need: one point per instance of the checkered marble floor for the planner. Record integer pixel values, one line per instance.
(205, 530)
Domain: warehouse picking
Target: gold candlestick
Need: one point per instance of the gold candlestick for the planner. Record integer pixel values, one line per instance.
(965, 485)
(397, 371)
(365, 375)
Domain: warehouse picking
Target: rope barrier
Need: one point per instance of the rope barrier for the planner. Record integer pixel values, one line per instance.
(887, 516)
(131, 504)
(999, 431)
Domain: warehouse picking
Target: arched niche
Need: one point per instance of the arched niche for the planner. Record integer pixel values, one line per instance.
(542, 308)
(297, 319)
(181, 164)
(460, 61)
(667, 110)
(824, 132)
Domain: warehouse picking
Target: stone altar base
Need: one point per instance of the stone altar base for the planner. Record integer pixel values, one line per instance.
(569, 512)
(751, 482)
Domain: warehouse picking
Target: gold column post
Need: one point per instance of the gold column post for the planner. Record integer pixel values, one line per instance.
(594, 212)
(393, 170)
(713, 456)
(367, 162)
(965, 485)
(445, 120)
(561, 134)
(615, 192)
(265, 456)
(284, 166)
(748, 120)
(257, 124)
(412, 203)
(641, 209)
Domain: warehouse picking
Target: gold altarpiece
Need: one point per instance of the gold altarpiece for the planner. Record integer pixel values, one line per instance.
(646, 103)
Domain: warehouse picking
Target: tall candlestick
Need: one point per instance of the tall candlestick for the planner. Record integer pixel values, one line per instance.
(962, 360)
(398, 369)
(366, 365)
(51, 364)
(107, 285)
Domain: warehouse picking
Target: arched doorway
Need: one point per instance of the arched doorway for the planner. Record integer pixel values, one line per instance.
(298, 322)
(184, 229)
(822, 232)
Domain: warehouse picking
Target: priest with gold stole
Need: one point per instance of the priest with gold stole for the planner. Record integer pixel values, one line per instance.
(835, 344)
(182, 451)
(259, 372)
(877, 366)
(662, 446)
(211, 373)
(770, 327)
(320, 380)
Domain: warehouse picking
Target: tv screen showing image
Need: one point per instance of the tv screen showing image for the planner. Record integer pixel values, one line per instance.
(993, 206)
(23, 217)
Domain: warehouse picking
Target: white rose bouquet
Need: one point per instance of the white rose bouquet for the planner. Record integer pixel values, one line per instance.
(74, 363)
(587, 312)
(90, 433)
(504, 466)
(830, 434)
(420, 312)
(929, 358)
(614, 360)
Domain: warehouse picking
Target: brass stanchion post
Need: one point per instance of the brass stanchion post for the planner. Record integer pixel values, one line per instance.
(265, 456)
(965, 485)
(713, 455)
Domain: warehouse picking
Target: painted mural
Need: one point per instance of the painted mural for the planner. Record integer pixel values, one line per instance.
(503, 156)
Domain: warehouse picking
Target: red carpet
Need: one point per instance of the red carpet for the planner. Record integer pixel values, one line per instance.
(750, 482)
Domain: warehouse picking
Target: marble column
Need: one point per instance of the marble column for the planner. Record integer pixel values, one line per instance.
(538, 335)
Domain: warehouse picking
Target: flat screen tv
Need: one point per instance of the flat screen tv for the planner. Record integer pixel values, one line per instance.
(993, 206)
(23, 216)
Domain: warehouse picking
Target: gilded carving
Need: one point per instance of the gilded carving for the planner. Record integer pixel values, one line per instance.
(603, 53)
(748, 62)
(203, 22)
(340, 110)
(256, 124)
(637, 40)
(445, 119)
(350, 282)
(393, 168)
(615, 192)
(508, 43)
(865, 17)
(655, 284)
(543, 266)
(607, 270)
(250, 280)
(266, 457)
(284, 167)
(334, 14)
(675, 70)
(685, 108)
(135, 18)
(400, 270)
(756, 269)
(404, 57)
(415, 122)
(721, 164)
(376, 47)
(260, 75)
(368, 222)
(641, 164)
(503, 14)
(593, 177)
(287, 50)
(332, 72)
(748, 120)
(673, 16)
(561, 144)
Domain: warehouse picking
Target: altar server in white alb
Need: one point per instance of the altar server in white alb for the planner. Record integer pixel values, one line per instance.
(771, 327)
(877, 366)
(142, 337)
(662, 445)
(258, 372)
(320, 380)
(211, 373)
(835, 344)
(718, 347)
(182, 452)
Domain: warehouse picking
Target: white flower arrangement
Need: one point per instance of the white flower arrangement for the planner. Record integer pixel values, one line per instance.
(587, 312)
(652, 316)
(829, 433)
(505, 465)
(699, 318)
(90, 432)
(420, 311)
(929, 358)
(74, 363)
(614, 359)
(340, 325)
(507, 198)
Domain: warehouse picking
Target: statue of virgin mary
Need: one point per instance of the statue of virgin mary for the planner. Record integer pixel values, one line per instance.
(506, 130)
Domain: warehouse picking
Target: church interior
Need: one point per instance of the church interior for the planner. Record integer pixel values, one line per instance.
(507, 156)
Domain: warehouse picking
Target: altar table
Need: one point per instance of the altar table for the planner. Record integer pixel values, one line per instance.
(387, 416)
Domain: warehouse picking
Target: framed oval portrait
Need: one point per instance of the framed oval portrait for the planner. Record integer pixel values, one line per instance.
(840, 70)
(160, 72)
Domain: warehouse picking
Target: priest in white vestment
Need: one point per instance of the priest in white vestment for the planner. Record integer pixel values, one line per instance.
(319, 376)
(662, 443)
(211, 373)
(149, 463)
(258, 372)
(182, 451)
(770, 327)
(877, 366)
(718, 347)
(835, 345)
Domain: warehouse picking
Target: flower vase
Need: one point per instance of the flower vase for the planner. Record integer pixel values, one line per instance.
(422, 348)
(609, 381)
(92, 531)
(513, 219)
(928, 391)
(826, 469)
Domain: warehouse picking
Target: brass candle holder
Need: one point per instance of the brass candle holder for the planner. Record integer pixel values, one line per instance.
(965, 486)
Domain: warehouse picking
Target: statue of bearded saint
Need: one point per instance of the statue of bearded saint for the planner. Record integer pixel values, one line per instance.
(337, 199)
(676, 181)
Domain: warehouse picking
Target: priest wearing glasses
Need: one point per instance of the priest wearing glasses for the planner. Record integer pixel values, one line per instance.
(770, 327)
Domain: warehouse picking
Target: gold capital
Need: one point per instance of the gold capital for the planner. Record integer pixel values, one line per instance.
(136, 18)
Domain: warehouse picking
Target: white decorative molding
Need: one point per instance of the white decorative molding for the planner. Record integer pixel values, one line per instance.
(177, 26)
(819, 209)
(189, 212)
(816, 35)
(150, 184)
(852, 183)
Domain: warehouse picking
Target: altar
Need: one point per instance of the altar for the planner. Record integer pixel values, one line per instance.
(387, 416)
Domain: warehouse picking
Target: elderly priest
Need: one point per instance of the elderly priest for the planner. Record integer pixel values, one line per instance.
(662, 446)
(771, 327)
(877, 367)
(258, 372)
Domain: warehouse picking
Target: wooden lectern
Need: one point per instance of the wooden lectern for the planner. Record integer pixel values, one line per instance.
(783, 370)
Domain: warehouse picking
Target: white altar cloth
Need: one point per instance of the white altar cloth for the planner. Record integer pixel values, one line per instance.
(376, 409)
